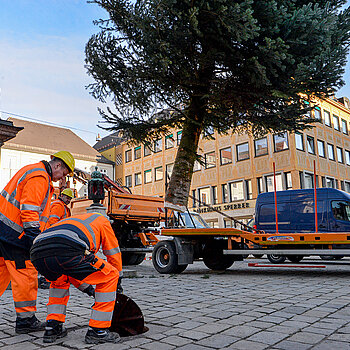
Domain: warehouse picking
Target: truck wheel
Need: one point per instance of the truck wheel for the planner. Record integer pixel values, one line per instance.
(214, 258)
(132, 258)
(295, 258)
(164, 258)
(276, 259)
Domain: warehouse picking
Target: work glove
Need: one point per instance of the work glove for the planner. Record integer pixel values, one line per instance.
(30, 234)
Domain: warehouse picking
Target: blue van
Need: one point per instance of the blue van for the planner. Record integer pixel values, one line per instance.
(296, 211)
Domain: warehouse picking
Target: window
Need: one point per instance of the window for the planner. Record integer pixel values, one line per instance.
(194, 198)
(178, 137)
(288, 180)
(308, 180)
(158, 145)
(330, 149)
(260, 147)
(317, 112)
(225, 156)
(204, 195)
(214, 191)
(128, 156)
(128, 180)
(310, 144)
(236, 191)
(280, 141)
(336, 122)
(340, 155)
(327, 118)
(344, 126)
(330, 182)
(137, 179)
(347, 157)
(146, 151)
(137, 152)
(341, 210)
(169, 141)
(158, 173)
(299, 142)
(347, 186)
(321, 149)
(196, 166)
(270, 183)
(148, 176)
(260, 185)
(210, 160)
(248, 189)
(169, 170)
(242, 151)
(224, 188)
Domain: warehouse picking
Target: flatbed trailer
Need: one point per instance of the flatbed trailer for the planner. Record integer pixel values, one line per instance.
(219, 248)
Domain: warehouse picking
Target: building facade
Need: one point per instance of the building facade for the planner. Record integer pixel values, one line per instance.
(36, 142)
(236, 168)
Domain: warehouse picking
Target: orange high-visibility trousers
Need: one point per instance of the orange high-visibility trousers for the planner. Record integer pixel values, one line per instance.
(106, 282)
(24, 285)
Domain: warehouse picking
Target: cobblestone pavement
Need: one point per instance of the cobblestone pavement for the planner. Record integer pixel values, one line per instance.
(245, 308)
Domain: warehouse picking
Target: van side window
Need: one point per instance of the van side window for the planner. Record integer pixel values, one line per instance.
(341, 210)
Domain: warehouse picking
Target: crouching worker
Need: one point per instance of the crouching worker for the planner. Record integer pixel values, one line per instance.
(65, 254)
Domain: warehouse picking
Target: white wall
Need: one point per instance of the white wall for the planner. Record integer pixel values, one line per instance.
(13, 160)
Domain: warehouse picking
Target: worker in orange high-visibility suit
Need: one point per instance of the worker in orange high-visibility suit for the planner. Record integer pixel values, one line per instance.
(24, 211)
(64, 254)
(59, 208)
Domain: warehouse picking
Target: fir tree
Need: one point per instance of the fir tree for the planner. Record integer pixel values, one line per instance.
(245, 66)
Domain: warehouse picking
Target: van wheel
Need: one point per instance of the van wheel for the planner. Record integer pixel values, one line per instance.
(276, 259)
(164, 258)
(295, 258)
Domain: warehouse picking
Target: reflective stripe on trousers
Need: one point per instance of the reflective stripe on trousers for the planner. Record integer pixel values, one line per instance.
(24, 285)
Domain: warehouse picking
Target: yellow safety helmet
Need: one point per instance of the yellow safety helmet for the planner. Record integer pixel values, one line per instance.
(68, 192)
(67, 159)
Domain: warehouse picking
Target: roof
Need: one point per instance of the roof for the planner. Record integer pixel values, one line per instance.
(48, 139)
(109, 141)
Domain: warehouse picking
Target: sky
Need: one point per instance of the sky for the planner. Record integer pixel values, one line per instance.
(42, 74)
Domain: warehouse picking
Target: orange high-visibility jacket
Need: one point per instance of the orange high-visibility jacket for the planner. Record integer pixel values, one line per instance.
(25, 204)
(90, 231)
(58, 211)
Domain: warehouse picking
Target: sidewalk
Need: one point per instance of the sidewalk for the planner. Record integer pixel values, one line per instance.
(243, 308)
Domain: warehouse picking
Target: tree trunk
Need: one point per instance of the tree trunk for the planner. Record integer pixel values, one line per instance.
(180, 182)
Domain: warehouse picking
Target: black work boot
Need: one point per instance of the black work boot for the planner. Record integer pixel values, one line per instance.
(28, 325)
(101, 335)
(54, 330)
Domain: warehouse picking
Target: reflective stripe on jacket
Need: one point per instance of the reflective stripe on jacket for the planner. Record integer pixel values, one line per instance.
(25, 203)
(91, 231)
(58, 211)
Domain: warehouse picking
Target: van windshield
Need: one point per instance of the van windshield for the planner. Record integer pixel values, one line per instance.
(341, 210)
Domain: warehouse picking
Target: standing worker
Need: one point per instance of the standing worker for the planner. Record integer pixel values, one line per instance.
(24, 211)
(59, 208)
(65, 254)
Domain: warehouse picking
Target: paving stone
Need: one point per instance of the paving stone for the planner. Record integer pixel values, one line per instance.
(195, 335)
(247, 345)
(307, 338)
(292, 345)
(218, 341)
(267, 337)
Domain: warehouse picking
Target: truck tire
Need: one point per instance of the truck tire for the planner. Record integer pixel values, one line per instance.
(214, 258)
(276, 259)
(129, 258)
(295, 258)
(164, 258)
